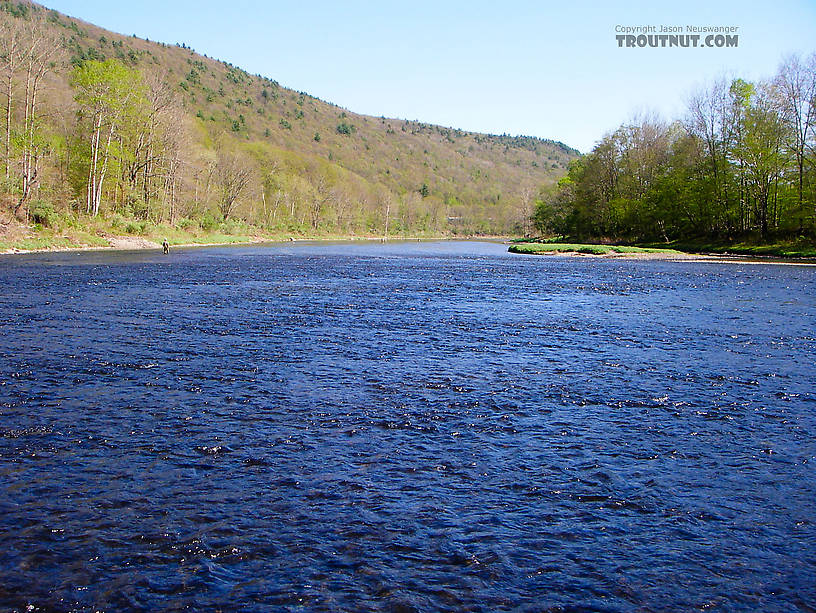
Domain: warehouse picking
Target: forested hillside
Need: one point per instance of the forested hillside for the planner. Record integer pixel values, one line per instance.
(740, 164)
(97, 125)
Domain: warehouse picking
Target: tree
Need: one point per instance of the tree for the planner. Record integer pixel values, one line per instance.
(740, 94)
(10, 34)
(233, 176)
(761, 152)
(322, 196)
(527, 210)
(387, 200)
(707, 121)
(150, 139)
(796, 96)
(38, 49)
(106, 92)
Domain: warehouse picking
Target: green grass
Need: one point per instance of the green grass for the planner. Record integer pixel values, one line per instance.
(78, 232)
(45, 238)
(538, 248)
(210, 238)
(799, 248)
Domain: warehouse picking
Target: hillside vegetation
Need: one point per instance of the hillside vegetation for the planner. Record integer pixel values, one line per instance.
(108, 132)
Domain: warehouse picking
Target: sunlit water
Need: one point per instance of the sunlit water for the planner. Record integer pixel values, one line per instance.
(404, 427)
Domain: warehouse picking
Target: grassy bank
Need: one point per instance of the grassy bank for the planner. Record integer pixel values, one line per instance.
(787, 249)
(102, 233)
(66, 233)
(541, 248)
(799, 248)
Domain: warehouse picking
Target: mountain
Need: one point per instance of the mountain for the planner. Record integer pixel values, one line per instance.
(311, 166)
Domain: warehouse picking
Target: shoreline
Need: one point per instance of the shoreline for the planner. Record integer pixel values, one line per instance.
(122, 243)
(650, 252)
(681, 257)
(625, 256)
(138, 243)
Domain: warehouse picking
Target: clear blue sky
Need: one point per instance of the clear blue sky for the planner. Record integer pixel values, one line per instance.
(549, 69)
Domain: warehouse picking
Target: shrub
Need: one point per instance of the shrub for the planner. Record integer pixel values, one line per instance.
(9, 186)
(117, 221)
(209, 222)
(42, 213)
(229, 227)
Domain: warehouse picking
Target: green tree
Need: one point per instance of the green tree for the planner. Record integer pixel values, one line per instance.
(761, 152)
(106, 93)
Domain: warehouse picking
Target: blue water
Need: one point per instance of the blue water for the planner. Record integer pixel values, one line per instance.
(405, 427)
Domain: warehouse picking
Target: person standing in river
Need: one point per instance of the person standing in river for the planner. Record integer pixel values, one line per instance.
(166, 247)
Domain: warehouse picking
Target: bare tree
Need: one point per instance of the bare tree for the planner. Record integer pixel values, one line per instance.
(10, 34)
(38, 50)
(796, 86)
(202, 165)
(707, 120)
(342, 204)
(153, 140)
(233, 176)
(321, 197)
(526, 210)
(645, 147)
(387, 201)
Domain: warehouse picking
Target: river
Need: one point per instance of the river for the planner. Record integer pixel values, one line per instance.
(405, 427)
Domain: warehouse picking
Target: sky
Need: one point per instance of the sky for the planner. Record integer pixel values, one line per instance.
(537, 68)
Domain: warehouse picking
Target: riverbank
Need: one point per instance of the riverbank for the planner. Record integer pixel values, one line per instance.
(603, 251)
(108, 235)
(801, 250)
(789, 249)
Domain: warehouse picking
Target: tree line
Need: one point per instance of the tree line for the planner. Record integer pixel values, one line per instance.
(740, 163)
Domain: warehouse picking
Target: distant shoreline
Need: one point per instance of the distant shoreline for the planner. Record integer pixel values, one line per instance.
(137, 243)
(640, 253)
(624, 256)
(683, 257)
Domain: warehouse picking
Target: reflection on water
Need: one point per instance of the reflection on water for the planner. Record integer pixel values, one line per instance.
(408, 426)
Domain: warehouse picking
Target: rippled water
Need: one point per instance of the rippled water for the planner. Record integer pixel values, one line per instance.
(405, 427)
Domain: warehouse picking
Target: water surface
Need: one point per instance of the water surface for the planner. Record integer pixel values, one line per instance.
(409, 426)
